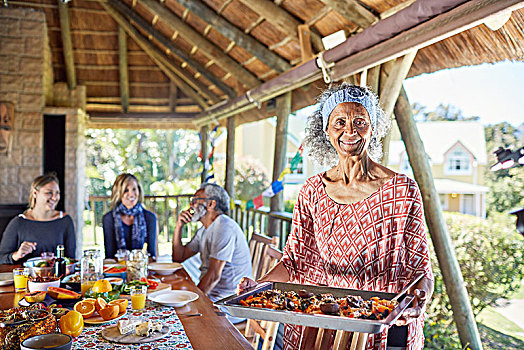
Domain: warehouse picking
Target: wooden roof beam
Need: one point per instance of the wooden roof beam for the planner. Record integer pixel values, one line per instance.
(122, 65)
(155, 54)
(209, 49)
(280, 18)
(353, 11)
(148, 28)
(237, 36)
(67, 44)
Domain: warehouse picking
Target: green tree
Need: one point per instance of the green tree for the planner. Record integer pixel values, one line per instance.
(441, 113)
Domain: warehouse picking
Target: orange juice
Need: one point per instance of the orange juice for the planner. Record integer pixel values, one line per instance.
(20, 282)
(85, 286)
(138, 301)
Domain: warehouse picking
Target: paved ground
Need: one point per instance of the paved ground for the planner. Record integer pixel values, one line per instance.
(513, 310)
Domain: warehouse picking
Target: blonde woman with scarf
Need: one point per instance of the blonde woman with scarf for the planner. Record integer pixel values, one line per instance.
(128, 225)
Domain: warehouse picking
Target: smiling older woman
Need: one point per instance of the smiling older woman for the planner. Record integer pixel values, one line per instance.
(128, 225)
(358, 225)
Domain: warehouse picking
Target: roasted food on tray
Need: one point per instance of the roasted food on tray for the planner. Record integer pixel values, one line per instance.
(351, 306)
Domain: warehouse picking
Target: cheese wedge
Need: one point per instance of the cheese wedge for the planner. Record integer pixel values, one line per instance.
(127, 326)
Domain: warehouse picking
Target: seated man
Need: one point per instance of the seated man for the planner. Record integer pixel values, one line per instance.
(220, 241)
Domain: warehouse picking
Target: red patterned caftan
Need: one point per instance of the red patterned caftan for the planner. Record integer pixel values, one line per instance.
(378, 243)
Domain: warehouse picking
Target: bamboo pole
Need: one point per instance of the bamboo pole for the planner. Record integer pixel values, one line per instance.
(458, 295)
(203, 151)
(122, 66)
(230, 157)
(279, 159)
(67, 45)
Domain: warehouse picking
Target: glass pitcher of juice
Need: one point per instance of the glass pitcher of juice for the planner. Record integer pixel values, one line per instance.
(136, 265)
(91, 269)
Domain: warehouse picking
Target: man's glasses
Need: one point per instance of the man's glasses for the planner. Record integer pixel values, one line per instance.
(195, 199)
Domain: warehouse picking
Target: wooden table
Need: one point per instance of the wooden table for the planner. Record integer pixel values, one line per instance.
(212, 330)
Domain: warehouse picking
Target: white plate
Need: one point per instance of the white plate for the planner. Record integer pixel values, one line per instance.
(6, 278)
(164, 268)
(175, 298)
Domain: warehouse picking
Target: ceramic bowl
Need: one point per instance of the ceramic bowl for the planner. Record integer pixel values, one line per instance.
(53, 341)
(41, 286)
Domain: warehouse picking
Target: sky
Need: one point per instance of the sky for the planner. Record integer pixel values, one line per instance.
(493, 92)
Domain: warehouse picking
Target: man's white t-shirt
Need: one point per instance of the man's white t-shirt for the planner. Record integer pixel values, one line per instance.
(223, 240)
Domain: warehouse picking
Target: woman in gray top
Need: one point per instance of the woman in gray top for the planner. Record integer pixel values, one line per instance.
(40, 228)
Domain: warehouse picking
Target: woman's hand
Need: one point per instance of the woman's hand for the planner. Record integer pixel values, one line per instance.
(245, 283)
(419, 306)
(25, 248)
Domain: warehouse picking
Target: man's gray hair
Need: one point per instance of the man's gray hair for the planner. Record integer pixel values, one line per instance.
(219, 194)
(317, 143)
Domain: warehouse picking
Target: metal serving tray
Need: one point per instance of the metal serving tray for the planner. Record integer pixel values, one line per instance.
(232, 304)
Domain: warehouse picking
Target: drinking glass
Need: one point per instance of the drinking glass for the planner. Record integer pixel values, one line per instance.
(91, 269)
(20, 278)
(46, 255)
(138, 297)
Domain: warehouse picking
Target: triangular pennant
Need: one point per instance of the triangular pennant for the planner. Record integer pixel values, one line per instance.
(249, 204)
(258, 201)
(284, 173)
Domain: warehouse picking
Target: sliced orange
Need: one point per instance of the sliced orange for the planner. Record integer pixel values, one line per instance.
(122, 304)
(85, 308)
(102, 286)
(109, 312)
(90, 300)
(100, 304)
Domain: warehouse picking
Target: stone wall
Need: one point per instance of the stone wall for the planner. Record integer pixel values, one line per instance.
(23, 39)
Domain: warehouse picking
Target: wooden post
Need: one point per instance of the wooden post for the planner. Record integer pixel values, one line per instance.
(390, 84)
(122, 65)
(67, 45)
(230, 157)
(458, 295)
(279, 159)
(304, 37)
(204, 151)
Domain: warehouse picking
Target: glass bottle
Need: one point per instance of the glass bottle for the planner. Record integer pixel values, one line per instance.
(60, 263)
(136, 265)
(91, 269)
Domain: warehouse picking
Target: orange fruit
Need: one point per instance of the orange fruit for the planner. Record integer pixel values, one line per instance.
(90, 300)
(85, 308)
(102, 286)
(122, 304)
(109, 312)
(100, 304)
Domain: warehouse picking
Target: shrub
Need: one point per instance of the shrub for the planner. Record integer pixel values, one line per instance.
(489, 253)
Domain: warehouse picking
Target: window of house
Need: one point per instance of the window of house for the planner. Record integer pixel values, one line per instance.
(458, 161)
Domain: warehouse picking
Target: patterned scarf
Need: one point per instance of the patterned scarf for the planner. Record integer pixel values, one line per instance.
(138, 230)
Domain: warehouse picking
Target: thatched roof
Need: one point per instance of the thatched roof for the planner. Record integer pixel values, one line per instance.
(184, 56)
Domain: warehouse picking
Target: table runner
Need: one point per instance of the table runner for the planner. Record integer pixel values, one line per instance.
(91, 337)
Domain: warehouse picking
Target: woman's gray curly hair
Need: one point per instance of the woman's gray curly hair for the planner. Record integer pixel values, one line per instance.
(317, 143)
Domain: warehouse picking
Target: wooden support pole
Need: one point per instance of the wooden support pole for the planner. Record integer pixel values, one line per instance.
(455, 287)
(230, 157)
(173, 96)
(67, 45)
(390, 84)
(304, 37)
(204, 151)
(279, 159)
(122, 66)
(352, 10)
(373, 78)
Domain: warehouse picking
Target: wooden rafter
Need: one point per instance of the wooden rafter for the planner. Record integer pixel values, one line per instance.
(122, 65)
(67, 45)
(154, 53)
(234, 34)
(353, 11)
(148, 28)
(209, 49)
(280, 18)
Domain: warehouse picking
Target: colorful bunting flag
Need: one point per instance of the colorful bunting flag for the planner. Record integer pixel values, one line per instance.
(258, 201)
(250, 204)
(275, 187)
(284, 173)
